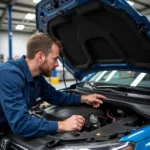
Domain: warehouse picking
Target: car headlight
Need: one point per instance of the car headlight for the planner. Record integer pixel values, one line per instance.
(124, 146)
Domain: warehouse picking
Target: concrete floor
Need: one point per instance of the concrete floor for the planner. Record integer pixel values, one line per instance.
(61, 84)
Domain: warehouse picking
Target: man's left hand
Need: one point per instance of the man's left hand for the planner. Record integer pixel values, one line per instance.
(93, 99)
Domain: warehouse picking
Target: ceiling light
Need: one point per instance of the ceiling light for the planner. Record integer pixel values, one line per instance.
(20, 27)
(36, 1)
(131, 3)
(30, 16)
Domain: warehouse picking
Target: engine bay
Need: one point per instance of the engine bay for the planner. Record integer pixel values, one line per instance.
(106, 115)
(110, 122)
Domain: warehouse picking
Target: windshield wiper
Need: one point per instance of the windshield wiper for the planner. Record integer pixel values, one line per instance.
(106, 89)
(124, 88)
(119, 89)
(111, 91)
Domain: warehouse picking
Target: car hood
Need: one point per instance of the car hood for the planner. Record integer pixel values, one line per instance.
(97, 35)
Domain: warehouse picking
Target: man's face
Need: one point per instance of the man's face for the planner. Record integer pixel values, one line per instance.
(51, 61)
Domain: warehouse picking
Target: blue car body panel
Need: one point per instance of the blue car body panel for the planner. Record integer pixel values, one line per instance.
(137, 135)
(141, 137)
(143, 145)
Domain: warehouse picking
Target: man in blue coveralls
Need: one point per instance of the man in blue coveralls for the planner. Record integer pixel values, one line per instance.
(22, 82)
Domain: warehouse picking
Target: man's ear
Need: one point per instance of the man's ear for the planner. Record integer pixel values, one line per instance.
(40, 57)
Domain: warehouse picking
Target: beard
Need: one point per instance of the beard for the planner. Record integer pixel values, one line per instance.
(46, 73)
(45, 70)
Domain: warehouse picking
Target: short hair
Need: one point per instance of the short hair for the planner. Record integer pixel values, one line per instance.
(41, 42)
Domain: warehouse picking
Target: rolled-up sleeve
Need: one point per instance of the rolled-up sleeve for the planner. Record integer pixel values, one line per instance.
(52, 96)
(16, 110)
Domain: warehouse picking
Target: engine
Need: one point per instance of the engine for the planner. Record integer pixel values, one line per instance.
(110, 122)
(106, 115)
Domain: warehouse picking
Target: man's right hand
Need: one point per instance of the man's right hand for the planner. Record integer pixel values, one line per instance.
(75, 122)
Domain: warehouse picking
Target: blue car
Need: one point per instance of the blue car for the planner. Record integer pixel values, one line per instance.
(107, 50)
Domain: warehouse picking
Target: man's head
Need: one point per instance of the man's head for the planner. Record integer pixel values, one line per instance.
(44, 50)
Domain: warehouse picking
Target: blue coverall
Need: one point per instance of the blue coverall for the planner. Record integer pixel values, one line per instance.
(19, 90)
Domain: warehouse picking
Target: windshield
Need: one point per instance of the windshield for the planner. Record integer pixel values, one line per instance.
(130, 78)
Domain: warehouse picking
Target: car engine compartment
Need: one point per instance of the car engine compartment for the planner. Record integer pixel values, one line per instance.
(106, 115)
(110, 122)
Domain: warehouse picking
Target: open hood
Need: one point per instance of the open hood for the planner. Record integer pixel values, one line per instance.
(97, 34)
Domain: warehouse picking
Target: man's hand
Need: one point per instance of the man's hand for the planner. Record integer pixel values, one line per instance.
(75, 122)
(92, 99)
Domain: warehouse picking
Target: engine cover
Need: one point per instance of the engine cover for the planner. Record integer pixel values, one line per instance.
(63, 112)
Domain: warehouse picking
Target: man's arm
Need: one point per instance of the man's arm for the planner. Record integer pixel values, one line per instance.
(16, 110)
(54, 97)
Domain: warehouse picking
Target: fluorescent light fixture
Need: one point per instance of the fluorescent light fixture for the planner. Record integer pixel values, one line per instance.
(30, 16)
(36, 1)
(20, 27)
(131, 3)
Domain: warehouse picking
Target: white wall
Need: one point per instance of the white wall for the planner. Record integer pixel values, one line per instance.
(19, 41)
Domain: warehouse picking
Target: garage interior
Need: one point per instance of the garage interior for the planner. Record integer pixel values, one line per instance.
(23, 23)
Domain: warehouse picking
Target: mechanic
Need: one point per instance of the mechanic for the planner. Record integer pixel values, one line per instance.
(22, 82)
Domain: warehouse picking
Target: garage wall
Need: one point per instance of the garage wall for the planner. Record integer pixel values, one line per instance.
(18, 44)
(19, 48)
